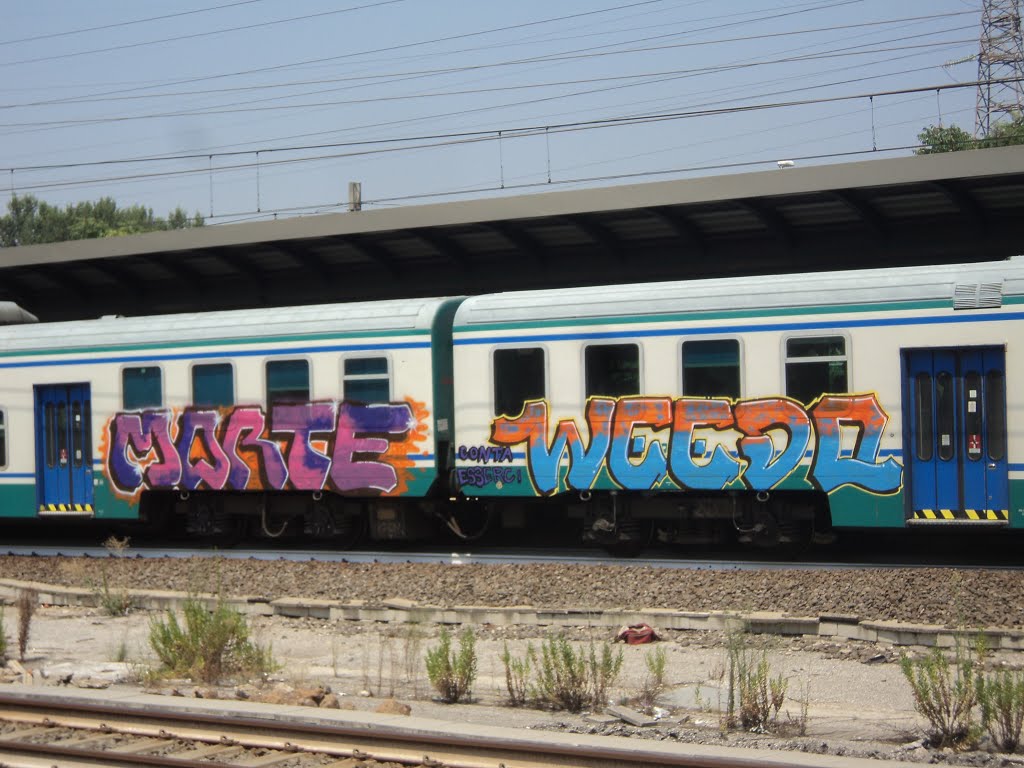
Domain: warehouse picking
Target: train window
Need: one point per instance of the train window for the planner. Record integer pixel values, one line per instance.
(50, 427)
(213, 385)
(77, 449)
(287, 381)
(141, 388)
(711, 368)
(995, 414)
(612, 370)
(87, 432)
(3, 438)
(815, 366)
(945, 416)
(972, 415)
(518, 377)
(366, 379)
(62, 433)
(923, 408)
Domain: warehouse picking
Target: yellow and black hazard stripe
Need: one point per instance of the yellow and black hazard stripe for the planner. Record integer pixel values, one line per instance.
(56, 509)
(969, 515)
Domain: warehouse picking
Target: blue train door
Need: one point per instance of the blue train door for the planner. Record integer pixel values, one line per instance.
(64, 449)
(955, 434)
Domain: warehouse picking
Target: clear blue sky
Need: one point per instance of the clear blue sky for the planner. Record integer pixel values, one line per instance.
(330, 80)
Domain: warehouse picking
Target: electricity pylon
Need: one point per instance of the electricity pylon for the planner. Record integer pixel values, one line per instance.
(1000, 58)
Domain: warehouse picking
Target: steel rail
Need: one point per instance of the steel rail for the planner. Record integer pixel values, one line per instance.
(383, 742)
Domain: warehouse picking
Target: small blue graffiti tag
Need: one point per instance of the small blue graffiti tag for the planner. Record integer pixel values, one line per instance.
(486, 454)
(480, 477)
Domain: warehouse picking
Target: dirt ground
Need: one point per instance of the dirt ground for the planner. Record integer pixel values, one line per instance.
(858, 702)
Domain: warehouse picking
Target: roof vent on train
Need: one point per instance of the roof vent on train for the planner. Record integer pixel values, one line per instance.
(978, 295)
(12, 314)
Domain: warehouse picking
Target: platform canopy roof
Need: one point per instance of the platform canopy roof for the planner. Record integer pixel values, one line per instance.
(961, 206)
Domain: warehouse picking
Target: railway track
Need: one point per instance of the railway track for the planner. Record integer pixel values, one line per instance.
(43, 730)
(725, 562)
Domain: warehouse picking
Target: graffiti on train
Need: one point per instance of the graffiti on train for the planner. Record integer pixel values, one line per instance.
(646, 443)
(343, 446)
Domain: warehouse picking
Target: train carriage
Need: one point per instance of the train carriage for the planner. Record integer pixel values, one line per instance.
(771, 405)
(286, 419)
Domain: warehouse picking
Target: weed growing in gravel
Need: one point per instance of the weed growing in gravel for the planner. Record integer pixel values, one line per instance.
(945, 693)
(28, 601)
(653, 684)
(753, 696)
(412, 647)
(209, 646)
(572, 680)
(453, 674)
(113, 601)
(517, 674)
(1001, 695)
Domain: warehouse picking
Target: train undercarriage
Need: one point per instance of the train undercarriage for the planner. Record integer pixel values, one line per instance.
(621, 523)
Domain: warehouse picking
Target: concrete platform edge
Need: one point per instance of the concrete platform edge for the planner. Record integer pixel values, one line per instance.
(400, 611)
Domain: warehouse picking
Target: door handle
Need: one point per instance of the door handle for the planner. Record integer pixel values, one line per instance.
(992, 465)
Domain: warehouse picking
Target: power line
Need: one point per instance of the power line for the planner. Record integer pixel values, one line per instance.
(439, 140)
(677, 73)
(128, 23)
(451, 70)
(195, 35)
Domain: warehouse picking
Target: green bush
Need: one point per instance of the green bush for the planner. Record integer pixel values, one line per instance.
(453, 674)
(760, 695)
(573, 680)
(1001, 696)
(210, 646)
(944, 694)
(517, 674)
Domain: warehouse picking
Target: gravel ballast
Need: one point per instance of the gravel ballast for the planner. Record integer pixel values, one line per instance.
(923, 595)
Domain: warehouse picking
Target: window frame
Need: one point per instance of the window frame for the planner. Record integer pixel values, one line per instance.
(846, 357)
(192, 382)
(291, 359)
(741, 356)
(375, 355)
(611, 343)
(126, 368)
(493, 372)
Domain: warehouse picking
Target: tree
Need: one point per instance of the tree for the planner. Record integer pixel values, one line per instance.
(30, 221)
(937, 138)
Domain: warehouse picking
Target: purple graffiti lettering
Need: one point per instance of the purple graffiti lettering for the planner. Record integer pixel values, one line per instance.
(242, 432)
(203, 460)
(133, 437)
(312, 446)
(307, 467)
(365, 430)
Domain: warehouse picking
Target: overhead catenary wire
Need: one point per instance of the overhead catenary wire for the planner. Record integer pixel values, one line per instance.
(478, 136)
(373, 79)
(677, 73)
